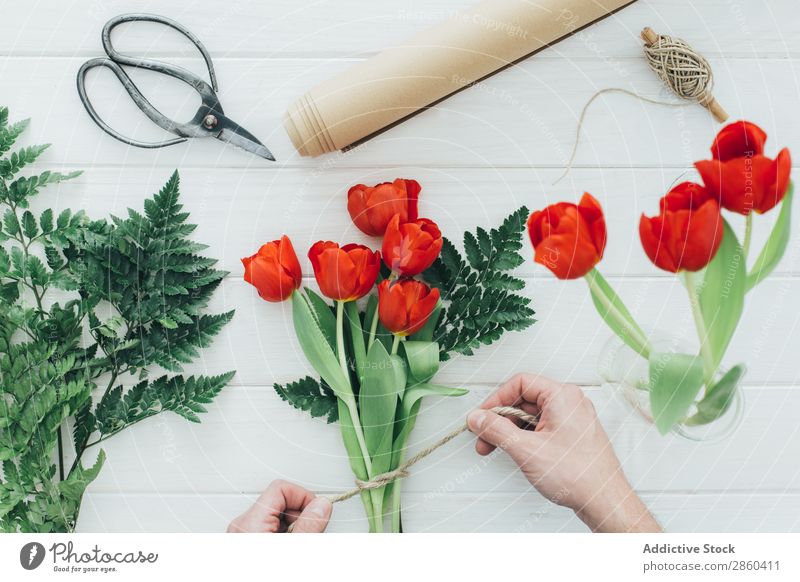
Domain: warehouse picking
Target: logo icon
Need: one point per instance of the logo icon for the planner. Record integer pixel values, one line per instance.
(31, 555)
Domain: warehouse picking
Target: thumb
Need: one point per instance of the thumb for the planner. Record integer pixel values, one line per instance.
(314, 518)
(496, 430)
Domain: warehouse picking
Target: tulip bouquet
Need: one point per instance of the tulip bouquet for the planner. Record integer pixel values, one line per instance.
(377, 357)
(691, 237)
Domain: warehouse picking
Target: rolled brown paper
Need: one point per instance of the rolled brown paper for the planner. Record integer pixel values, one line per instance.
(398, 82)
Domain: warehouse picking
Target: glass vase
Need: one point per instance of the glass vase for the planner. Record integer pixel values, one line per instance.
(628, 373)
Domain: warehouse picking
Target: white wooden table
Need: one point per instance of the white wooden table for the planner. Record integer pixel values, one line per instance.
(478, 156)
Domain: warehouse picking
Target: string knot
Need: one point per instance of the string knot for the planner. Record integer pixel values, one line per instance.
(381, 480)
(402, 472)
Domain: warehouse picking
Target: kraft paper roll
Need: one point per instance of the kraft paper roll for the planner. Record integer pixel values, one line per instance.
(398, 82)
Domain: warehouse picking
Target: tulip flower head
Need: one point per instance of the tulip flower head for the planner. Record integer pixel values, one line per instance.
(371, 208)
(274, 270)
(569, 239)
(688, 231)
(411, 247)
(739, 175)
(345, 273)
(405, 306)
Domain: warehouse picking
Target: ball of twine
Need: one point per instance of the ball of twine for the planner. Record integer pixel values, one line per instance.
(685, 71)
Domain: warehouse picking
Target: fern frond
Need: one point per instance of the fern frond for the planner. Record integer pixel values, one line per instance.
(479, 290)
(311, 395)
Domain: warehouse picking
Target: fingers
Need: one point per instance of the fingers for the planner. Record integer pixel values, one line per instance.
(314, 518)
(521, 388)
(281, 500)
(281, 496)
(525, 391)
(494, 430)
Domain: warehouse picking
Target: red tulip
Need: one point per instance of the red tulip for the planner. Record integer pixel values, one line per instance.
(411, 247)
(568, 239)
(345, 273)
(687, 232)
(274, 270)
(371, 208)
(740, 176)
(405, 306)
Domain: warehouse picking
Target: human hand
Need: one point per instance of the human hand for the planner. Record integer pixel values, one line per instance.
(281, 505)
(568, 458)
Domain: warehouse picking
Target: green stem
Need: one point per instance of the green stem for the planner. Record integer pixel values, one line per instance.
(396, 344)
(709, 367)
(748, 234)
(373, 329)
(356, 338)
(60, 437)
(340, 338)
(366, 500)
(396, 525)
(79, 450)
(636, 337)
(351, 401)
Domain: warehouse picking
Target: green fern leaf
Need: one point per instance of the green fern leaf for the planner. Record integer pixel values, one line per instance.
(312, 396)
(480, 296)
(19, 159)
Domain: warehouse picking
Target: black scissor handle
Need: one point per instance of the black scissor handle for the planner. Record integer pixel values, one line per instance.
(141, 102)
(158, 66)
(210, 102)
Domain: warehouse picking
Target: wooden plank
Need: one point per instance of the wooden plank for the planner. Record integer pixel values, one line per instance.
(249, 437)
(458, 512)
(238, 211)
(346, 27)
(525, 117)
(565, 343)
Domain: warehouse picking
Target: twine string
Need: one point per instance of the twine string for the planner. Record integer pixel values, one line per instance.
(401, 472)
(685, 72)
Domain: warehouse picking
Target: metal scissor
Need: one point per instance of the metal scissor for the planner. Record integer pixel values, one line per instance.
(209, 121)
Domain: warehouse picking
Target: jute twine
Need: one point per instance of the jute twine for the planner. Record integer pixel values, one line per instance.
(401, 472)
(685, 71)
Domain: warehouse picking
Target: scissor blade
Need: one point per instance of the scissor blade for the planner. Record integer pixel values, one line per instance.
(236, 135)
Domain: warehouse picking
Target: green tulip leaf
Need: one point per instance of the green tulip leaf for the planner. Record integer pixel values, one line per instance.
(323, 313)
(721, 294)
(317, 349)
(416, 393)
(675, 380)
(351, 442)
(412, 400)
(776, 244)
(382, 334)
(384, 381)
(356, 336)
(718, 399)
(616, 315)
(422, 358)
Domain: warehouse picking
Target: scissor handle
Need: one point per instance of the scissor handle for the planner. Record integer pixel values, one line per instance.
(141, 101)
(178, 72)
(210, 101)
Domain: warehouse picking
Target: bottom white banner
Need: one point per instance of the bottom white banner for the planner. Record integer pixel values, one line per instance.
(388, 558)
